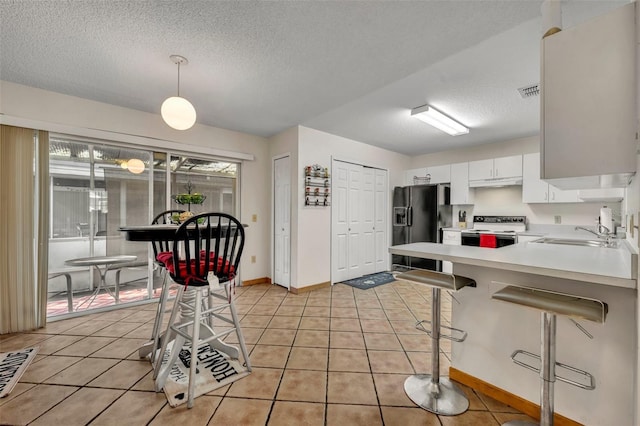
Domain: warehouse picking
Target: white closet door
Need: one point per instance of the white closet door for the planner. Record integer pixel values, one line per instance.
(359, 210)
(282, 222)
(340, 225)
(368, 243)
(354, 220)
(381, 214)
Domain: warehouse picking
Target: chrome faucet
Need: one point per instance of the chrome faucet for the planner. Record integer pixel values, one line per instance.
(597, 234)
(606, 234)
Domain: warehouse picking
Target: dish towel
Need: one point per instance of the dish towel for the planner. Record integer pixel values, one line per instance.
(488, 240)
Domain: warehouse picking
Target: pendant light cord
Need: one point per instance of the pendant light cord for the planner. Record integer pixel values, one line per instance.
(178, 79)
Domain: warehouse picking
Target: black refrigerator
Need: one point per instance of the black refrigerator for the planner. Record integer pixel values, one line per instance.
(419, 214)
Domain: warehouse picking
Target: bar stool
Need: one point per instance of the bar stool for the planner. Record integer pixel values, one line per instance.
(204, 261)
(433, 392)
(160, 246)
(552, 304)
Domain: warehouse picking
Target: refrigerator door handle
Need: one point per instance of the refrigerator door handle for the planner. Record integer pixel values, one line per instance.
(410, 216)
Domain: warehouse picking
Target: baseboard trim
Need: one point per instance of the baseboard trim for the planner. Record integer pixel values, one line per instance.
(263, 280)
(521, 404)
(310, 287)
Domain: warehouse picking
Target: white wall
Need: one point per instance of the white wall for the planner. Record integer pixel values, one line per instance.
(29, 107)
(314, 223)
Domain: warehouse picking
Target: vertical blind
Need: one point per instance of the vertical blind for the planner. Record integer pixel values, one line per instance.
(24, 206)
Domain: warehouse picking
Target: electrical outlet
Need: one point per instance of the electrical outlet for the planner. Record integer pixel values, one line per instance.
(253, 259)
(557, 219)
(254, 218)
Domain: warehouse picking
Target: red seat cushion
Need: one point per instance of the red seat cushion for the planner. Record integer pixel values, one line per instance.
(190, 279)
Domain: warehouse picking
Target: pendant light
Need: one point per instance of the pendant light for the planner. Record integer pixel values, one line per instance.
(178, 112)
(135, 166)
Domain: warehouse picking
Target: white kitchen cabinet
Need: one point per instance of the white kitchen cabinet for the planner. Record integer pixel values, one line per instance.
(495, 168)
(439, 174)
(535, 190)
(588, 98)
(481, 169)
(450, 238)
(460, 191)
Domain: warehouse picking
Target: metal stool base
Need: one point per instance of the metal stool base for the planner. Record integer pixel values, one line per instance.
(444, 398)
(519, 423)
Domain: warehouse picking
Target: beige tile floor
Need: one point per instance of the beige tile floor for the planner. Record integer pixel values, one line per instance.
(335, 356)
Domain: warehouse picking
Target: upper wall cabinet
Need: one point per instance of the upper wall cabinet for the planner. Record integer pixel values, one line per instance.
(437, 174)
(460, 191)
(496, 168)
(535, 190)
(588, 105)
(496, 172)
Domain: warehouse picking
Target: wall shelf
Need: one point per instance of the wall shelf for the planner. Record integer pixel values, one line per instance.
(317, 186)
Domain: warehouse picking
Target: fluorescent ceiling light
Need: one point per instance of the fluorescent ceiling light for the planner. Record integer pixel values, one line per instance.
(439, 120)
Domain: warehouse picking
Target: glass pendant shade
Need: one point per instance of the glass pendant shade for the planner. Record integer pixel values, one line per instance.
(135, 166)
(178, 113)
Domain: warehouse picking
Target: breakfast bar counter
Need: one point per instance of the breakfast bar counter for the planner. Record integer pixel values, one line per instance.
(496, 329)
(598, 265)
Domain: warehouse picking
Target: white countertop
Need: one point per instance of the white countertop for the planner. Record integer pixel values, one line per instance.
(609, 266)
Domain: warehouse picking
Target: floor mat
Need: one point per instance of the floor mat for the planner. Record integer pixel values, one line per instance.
(370, 281)
(214, 370)
(12, 365)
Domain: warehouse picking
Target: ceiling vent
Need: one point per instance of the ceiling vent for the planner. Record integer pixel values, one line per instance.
(529, 91)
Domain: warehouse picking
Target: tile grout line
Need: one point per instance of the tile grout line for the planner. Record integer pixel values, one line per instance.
(405, 295)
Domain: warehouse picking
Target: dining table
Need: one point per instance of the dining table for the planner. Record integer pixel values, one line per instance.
(160, 232)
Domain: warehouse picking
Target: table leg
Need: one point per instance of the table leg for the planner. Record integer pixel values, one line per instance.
(69, 292)
(101, 284)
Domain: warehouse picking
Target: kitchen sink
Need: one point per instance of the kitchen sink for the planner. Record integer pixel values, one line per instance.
(576, 242)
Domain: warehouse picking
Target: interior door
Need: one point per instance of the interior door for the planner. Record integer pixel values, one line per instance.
(340, 225)
(368, 225)
(381, 223)
(282, 221)
(359, 220)
(354, 220)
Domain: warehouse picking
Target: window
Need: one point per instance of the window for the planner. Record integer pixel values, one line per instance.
(97, 187)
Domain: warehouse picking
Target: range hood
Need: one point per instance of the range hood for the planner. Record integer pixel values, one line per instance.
(495, 183)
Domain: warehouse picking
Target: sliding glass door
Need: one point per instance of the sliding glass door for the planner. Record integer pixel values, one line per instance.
(97, 187)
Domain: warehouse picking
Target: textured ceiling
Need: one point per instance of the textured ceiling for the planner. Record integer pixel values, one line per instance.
(353, 69)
